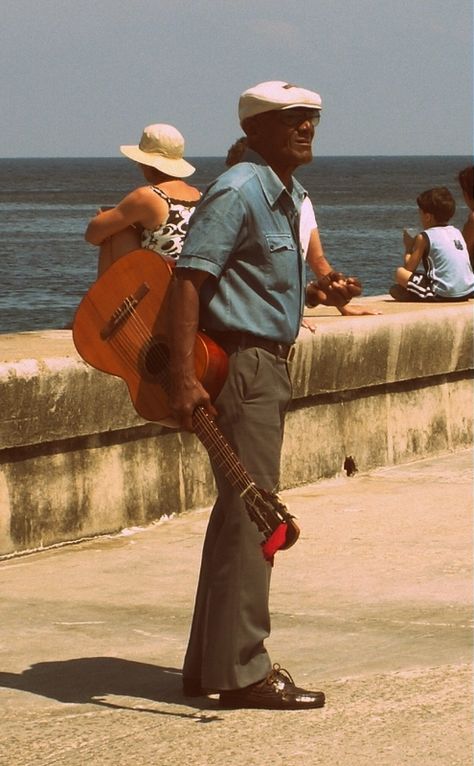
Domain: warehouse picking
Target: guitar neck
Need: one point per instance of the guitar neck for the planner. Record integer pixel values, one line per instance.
(221, 452)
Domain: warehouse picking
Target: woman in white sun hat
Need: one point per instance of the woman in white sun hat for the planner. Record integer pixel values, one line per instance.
(154, 216)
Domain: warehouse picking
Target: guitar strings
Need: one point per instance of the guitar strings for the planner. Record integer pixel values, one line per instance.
(248, 486)
(215, 442)
(119, 347)
(125, 347)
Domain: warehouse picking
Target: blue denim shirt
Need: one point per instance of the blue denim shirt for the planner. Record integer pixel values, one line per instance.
(245, 234)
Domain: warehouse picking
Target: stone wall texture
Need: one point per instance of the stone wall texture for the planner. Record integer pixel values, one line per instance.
(77, 461)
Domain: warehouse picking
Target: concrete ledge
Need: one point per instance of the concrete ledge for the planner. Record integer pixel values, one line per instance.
(77, 461)
(406, 342)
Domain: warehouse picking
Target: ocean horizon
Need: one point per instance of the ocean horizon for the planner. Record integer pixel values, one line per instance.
(362, 204)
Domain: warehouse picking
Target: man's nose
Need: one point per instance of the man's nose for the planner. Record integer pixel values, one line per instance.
(306, 126)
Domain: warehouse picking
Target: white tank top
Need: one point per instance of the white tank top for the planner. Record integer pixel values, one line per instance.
(447, 262)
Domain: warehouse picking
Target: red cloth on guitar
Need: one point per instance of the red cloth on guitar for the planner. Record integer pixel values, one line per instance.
(276, 541)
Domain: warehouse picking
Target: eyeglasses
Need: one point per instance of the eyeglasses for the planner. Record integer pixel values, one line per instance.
(293, 118)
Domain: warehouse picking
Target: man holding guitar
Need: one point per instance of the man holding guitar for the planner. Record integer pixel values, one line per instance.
(240, 278)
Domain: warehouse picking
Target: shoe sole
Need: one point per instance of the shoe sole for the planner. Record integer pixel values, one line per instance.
(236, 704)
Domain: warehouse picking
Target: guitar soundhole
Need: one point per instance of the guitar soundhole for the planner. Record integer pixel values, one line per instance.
(154, 361)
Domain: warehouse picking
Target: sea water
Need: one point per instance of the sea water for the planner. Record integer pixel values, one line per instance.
(362, 205)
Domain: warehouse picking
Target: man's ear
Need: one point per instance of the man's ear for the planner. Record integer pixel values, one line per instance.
(253, 126)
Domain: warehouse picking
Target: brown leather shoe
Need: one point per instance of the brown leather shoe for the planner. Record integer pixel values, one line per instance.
(275, 692)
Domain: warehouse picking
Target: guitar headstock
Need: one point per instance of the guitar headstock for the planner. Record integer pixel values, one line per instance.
(268, 512)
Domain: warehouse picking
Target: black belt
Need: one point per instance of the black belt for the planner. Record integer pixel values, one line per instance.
(233, 340)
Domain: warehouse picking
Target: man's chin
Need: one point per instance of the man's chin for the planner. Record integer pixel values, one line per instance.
(304, 156)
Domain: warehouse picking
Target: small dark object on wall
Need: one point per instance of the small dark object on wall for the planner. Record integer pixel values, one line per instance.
(350, 466)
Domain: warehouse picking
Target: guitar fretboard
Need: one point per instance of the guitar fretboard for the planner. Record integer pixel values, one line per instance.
(221, 452)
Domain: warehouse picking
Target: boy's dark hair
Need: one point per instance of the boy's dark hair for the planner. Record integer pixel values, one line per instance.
(439, 202)
(466, 180)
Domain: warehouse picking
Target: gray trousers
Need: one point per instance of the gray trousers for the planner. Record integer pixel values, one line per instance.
(231, 616)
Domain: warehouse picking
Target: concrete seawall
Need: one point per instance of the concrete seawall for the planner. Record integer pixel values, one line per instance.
(77, 461)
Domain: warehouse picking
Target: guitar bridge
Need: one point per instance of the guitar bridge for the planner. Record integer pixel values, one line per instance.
(123, 312)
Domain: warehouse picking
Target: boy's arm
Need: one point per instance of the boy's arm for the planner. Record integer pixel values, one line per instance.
(413, 258)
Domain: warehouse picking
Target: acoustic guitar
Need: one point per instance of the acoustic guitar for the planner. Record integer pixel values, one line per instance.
(120, 327)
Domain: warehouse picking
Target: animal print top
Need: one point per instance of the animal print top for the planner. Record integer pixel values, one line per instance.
(167, 239)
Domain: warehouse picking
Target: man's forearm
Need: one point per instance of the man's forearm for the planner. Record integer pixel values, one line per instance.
(186, 391)
(321, 266)
(183, 326)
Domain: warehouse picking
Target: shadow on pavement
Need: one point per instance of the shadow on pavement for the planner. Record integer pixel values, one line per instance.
(88, 679)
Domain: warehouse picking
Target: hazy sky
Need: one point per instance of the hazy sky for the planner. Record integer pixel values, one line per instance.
(78, 77)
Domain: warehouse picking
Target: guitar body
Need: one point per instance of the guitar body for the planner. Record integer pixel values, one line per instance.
(120, 327)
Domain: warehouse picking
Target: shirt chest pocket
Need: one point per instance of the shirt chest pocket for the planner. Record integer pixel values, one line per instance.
(282, 260)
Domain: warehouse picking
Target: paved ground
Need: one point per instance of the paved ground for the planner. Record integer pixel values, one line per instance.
(372, 605)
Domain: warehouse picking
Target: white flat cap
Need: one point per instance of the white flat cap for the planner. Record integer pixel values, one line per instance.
(275, 94)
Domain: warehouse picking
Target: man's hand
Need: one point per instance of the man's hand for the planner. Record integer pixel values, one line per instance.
(308, 325)
(357, 311)
(408, 241)
(354, 286)
(185, 396)
(334, 289)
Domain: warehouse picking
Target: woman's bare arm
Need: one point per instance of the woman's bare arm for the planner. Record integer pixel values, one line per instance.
(139, 208)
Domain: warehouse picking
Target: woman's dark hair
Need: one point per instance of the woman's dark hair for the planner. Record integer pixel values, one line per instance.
(439, 202)
(236, 151)
(466, 180)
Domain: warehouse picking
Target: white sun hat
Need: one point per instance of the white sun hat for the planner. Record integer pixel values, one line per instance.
(276, 94)
(162, 147)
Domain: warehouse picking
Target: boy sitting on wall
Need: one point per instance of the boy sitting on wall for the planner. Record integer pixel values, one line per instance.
(442, 251)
